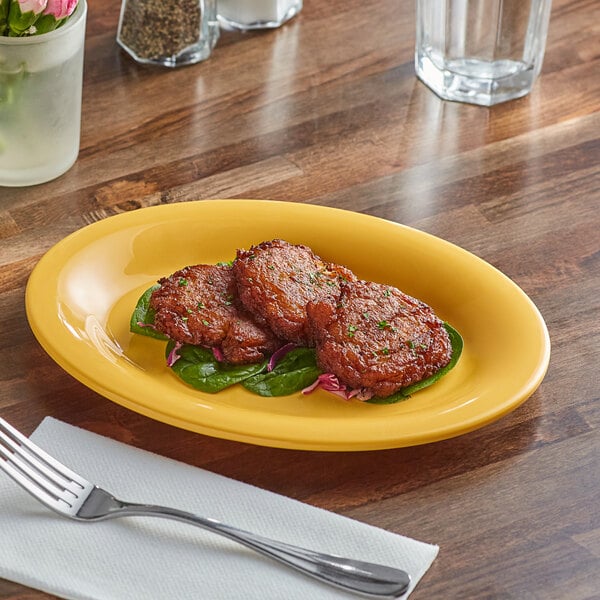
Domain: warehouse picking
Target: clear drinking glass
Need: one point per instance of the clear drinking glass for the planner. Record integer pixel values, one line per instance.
(170, 33)
(40, 102)
(481, 51)
(245, 15)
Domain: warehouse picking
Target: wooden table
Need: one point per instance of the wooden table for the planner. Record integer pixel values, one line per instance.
(327, 110)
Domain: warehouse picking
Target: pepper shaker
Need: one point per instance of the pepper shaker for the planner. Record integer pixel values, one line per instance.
(170, 33)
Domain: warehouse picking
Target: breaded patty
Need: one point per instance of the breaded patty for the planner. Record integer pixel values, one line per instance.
(276, 280)
(377, 338)
(198, 305)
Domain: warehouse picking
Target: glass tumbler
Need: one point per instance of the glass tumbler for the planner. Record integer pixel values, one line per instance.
(169, 33)
(481, 51)
(41, 80)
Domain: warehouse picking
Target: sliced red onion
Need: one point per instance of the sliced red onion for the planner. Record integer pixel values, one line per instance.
(173, 355)
(341, 393)
(330, 383)
(364, 394)
(326, 381)
(218, 354)
(278, 355)
(312, 387)
(142, 324)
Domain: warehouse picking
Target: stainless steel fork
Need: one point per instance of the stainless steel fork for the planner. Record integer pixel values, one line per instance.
(72, 496)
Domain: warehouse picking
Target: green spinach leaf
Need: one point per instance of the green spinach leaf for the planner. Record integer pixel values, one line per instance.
(199, 368)
(296, 370)
(142, 319)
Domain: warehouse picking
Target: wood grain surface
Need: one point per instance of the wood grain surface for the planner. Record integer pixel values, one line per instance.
(327, 110)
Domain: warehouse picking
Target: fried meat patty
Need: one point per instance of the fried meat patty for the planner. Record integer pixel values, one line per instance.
(276, 280)
(377, 338)
(199, 305)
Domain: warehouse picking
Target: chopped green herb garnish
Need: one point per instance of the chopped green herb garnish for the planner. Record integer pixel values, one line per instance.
(182, 282)
(382, 324)
(351, 330)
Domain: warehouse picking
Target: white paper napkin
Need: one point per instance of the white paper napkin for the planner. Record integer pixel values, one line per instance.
(147, 558)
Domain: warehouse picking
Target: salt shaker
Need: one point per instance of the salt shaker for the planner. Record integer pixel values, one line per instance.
(170, 33)
(245, 15)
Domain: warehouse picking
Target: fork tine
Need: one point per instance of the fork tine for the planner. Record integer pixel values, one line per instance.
(58, 467)
(36, 474)
(25, 482)
(32, 465)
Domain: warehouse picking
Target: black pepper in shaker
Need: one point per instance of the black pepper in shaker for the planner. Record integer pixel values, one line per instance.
(168, 32)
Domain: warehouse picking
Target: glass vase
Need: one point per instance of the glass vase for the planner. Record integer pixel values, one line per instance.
(40, 102)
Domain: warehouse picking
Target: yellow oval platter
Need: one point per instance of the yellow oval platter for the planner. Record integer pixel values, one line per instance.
(82, 292)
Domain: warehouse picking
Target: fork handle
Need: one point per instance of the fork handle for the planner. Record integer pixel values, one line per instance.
(368, 579)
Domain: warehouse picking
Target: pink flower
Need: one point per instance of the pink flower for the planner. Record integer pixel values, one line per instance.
(60, 9)
(54, 14)
(22, 14)
(33, 17)
(35, 6)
